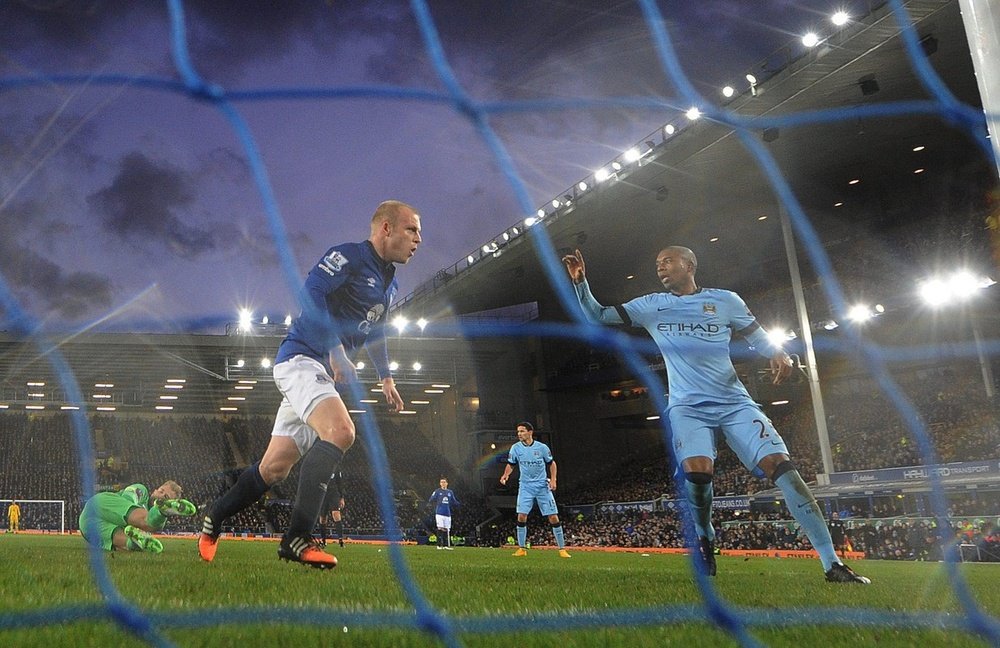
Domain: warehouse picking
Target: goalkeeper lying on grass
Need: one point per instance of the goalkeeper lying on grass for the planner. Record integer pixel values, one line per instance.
(123, 520)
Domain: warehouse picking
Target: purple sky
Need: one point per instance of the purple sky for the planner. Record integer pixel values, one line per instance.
(130, 205)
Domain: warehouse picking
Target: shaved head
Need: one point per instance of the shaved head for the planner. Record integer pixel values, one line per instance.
(686, 254)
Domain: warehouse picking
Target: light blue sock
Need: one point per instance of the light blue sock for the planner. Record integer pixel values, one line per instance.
(557, 531)
(522, 535)
(805, 510)
(700, 500)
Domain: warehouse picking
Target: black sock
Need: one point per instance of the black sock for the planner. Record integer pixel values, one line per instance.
(318, 464)
(339, 524)
(247, 490)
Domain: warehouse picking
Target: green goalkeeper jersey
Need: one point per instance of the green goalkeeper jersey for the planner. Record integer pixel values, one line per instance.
(138, 494)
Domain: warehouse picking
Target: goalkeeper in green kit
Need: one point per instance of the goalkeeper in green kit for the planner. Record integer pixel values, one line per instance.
(125, 519)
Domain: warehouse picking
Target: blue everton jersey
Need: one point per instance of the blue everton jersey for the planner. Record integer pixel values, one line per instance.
(443, 498)
(531, 459)
(352, 288)
(693, 334)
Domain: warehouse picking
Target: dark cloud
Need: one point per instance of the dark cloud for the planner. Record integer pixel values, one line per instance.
(142, 203)
(42, 283)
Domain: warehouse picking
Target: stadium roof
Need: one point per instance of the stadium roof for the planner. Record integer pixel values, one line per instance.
(199, 374)
(701, 183)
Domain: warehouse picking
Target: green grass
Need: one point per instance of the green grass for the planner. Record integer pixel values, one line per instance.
(44, 573)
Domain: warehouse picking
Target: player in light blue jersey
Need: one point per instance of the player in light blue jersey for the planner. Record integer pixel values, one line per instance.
(442, 499)
(536, 483)
(692, 327)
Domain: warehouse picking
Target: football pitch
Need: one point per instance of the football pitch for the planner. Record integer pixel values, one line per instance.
(248, 597)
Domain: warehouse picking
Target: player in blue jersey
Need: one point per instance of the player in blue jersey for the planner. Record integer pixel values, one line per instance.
(332, 509)
(442, 499)
(536, 483)
(345, 301)
(692, 326)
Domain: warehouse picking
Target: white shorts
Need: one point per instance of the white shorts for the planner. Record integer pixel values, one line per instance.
(443, 521)
(303, 383)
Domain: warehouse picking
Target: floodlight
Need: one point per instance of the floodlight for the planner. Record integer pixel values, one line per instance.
(601, 175)
(393, 366)
(693, 113)
(400, 323)
(840, 18)
(810, 40)
(422, 323)
(417, 366)
(728, 91)
(859, 313)
(669, 129)
(631, 155)
(246, 319)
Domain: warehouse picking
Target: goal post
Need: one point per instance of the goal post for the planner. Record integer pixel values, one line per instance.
(37, 515)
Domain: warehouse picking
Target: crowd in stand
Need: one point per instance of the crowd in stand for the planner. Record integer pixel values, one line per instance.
(206, 455)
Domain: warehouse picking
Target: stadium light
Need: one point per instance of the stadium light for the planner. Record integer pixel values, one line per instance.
(528, 222)
(840, 18)
(669, 129)
(422, 323)
(265, 363)
(601, 175)
(693, 113)
(728, 91)
(417, 366)
(831, 325)
(810, 39)
(582, 186)
(265, 320)
(393, 366)
(555, 203)
(470, 259)
(631, 155)
(288, 320)
(246, 319)
(779, 336)
(400, 322)
(958, 287)
(360, 366)
(859, 313)
(616, 166)
(751, 79)
(240, 363)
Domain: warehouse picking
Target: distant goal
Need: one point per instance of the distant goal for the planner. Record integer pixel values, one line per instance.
(37, 515)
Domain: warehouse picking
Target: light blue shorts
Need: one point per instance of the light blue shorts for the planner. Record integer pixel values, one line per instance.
(528, 494)
(746, 428)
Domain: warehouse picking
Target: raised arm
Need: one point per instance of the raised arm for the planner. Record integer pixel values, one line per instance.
(593, 309)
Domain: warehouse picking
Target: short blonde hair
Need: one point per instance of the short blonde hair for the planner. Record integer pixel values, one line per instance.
(173, 486)
(389, 210)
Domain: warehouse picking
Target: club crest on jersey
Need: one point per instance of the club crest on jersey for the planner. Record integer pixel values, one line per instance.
(371, 282)
(708, 308)
(333, 262)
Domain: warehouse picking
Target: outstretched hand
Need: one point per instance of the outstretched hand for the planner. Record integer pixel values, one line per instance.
(781, 367)
(575, 266)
